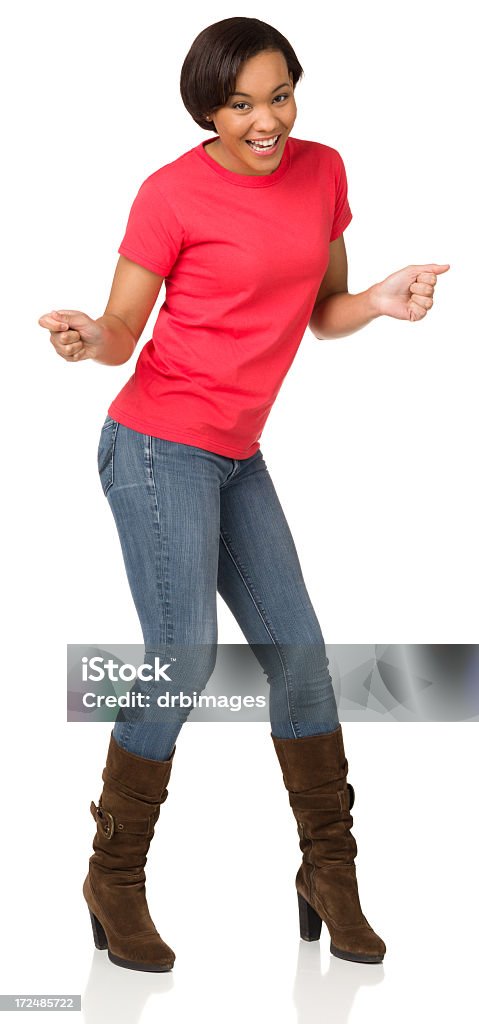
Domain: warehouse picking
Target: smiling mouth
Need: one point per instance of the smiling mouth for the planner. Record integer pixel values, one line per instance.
(264, 146)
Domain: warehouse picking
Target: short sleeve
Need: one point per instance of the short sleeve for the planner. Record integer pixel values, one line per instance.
(342, 211)
(154, 235)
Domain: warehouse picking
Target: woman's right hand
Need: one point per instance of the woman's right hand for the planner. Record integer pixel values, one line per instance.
(73, 334)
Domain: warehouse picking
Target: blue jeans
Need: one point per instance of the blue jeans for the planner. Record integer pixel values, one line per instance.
(192, 523)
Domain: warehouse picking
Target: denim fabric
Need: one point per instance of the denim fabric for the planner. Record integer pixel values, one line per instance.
(192, 523)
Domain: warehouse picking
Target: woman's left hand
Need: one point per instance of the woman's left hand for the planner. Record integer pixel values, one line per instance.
(408, 293)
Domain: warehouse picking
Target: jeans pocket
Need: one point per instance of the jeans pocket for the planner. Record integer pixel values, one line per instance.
(106, 453)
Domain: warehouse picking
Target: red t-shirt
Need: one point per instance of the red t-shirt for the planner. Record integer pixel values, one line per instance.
(243, 257)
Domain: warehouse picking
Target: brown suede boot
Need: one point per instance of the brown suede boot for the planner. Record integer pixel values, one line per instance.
(114, 889)
(314, 772)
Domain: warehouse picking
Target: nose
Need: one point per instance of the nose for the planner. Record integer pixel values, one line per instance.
(264, 123)
(263, 129)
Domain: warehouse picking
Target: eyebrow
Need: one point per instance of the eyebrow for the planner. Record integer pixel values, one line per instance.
(249, 94)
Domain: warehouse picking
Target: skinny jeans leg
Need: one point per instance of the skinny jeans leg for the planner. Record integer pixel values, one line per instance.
(261, 580)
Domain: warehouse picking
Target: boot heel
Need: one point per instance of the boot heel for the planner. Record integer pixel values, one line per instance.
(99, 936)
(309, 921)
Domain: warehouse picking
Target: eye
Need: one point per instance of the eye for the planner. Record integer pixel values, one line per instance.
(242, 103)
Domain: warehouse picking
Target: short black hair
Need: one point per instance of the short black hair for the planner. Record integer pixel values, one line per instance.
(209, 71)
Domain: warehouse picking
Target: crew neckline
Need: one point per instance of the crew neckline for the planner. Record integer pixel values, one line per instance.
(246, 180)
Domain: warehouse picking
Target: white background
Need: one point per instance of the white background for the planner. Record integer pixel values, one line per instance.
(372, 445)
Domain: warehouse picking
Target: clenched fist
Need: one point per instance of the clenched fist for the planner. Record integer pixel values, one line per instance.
(408, 293)
(73, 334)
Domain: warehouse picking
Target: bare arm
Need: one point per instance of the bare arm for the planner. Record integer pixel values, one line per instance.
(407, 294)
(112, 338)
(133, 294)
(336, 313)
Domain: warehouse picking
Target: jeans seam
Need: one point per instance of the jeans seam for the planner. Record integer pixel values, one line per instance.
(162, 559)
(249, 588)
(110, 464)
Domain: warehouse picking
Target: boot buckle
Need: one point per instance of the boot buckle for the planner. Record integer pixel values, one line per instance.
(108, 825)
(104, 819)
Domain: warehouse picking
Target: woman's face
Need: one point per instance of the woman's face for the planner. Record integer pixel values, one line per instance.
(267, 109)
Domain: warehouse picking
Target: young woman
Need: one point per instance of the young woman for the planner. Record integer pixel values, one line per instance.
(246, 230)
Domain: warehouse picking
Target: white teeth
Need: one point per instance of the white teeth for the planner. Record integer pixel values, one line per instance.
(263, 145)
